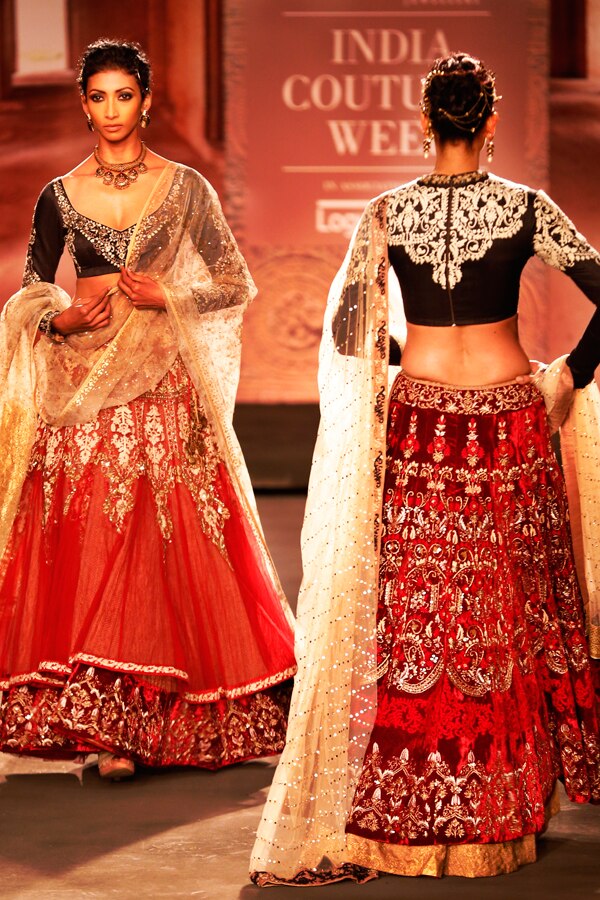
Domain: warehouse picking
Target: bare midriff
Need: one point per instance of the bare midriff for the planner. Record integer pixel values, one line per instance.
(465, 355)
(87, 287)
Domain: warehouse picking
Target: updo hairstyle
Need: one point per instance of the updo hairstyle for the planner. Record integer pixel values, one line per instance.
(106, 55)
(458, 97)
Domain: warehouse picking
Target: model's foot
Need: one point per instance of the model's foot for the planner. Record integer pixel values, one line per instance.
(113, 767)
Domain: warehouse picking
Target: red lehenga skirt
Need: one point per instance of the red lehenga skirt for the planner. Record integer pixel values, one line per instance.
(486, 694)
(136, 614)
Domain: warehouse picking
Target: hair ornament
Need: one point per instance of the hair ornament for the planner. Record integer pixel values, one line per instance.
(462, 65)
(467, 120)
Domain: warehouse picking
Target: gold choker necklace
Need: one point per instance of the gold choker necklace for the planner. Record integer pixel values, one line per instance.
(121, 175)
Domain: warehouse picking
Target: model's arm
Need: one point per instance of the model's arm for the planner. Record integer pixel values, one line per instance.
(346, 324)
(345, 327)
(46, 245)
(230, 281)
(558, 243)
(224, 280)
(46, 242)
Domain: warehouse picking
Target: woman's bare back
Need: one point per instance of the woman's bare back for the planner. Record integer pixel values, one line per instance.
(465, 354)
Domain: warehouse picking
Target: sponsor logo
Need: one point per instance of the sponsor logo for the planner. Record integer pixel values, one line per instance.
(338, 216)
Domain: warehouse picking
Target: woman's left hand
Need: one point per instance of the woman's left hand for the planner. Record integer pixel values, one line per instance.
(143, 292)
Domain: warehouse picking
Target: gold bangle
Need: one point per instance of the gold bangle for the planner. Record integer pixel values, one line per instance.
(47, 329)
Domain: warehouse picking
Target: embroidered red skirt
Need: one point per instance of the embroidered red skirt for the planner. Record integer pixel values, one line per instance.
(136, 614)
(487, 695)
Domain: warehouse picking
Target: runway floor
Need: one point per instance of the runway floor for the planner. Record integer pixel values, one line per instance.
(67, 835)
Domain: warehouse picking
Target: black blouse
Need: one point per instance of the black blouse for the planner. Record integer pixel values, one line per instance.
(458, 245)
(96, 249)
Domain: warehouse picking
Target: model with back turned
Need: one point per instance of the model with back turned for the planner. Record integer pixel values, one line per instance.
(445, 682)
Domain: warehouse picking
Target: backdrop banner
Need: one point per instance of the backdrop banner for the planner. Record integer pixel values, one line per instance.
(322, 107)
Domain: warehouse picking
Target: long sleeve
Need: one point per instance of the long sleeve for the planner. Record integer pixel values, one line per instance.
(558, 243)
(47, 240)
(230, 281)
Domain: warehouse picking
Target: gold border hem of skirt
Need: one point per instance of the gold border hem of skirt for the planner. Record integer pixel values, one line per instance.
(466, 860)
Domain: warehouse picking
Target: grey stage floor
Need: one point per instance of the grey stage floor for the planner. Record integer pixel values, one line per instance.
(66, 835)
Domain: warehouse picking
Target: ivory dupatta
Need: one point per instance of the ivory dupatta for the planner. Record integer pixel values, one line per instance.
(334, 699)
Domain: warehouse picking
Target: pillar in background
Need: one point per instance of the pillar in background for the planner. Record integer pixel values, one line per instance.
(568, 36)
(7, 47)
(184, 82)
(593, 38)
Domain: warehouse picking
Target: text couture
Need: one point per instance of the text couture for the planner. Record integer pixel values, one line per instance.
(378, 91)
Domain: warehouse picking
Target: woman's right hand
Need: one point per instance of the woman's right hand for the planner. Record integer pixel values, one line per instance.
(84, 314)
(562, 398)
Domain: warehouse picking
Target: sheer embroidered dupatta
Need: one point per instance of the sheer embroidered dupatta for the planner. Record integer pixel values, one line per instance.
(334, 700)
(182, 240)
(580, 453)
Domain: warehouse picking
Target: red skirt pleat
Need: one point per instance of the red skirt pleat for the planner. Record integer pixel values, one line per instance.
(135, 606)
(486, 695)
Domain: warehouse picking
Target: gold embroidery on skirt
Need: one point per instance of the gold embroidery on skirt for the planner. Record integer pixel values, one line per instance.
(432, 517)
(110, 709)
(157, 436)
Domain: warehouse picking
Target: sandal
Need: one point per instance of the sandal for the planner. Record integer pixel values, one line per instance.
(114, 767)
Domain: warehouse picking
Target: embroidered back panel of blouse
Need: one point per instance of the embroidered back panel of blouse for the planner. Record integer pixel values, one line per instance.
(445, 244)
(459, 245)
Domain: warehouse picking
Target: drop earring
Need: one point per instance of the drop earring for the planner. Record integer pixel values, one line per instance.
(427, 142)
(144, 119)
(89, 122)
(490, 149)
